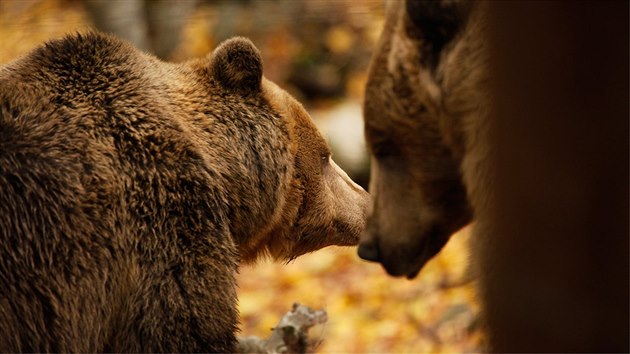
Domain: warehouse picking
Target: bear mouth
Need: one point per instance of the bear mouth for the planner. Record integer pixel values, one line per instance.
(346, 235)
(417, 267)
(409, 270)
(410, 266)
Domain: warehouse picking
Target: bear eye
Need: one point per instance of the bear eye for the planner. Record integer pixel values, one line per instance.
(325, 158)
(384, 148)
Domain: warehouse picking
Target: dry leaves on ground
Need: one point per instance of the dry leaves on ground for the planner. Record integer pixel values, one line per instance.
(368, 311)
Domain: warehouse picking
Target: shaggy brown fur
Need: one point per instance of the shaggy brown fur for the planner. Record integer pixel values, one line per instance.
(131, 189)
(423, 127)
(543, 164)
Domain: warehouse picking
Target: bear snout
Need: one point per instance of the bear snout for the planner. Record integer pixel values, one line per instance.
(350, 204)
(402, 248)
(369, 251)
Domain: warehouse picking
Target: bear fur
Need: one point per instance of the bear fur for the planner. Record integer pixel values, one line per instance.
(511, 113)
(425, 131)
(131, 189)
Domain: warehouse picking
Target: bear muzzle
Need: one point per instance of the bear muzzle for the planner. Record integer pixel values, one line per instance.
(402, 249)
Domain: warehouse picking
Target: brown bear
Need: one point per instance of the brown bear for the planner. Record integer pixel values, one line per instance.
(131, 189)
(516, 112)
(421, 103)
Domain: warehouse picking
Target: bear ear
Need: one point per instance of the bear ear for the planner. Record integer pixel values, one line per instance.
(237, 65)
(438, 21)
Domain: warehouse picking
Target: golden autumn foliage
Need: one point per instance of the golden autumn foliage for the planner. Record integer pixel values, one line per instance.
(368, 311)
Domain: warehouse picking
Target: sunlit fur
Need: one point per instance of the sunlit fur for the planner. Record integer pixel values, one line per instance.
(131, 190)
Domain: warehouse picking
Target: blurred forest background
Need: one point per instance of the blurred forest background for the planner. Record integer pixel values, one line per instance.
(318, 50)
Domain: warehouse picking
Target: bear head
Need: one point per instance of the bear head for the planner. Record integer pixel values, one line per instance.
(316, 204)
(420, 92)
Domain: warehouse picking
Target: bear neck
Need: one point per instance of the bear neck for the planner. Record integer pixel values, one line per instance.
(247, 151)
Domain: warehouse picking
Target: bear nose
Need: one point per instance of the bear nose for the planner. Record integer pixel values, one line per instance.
(369, 251)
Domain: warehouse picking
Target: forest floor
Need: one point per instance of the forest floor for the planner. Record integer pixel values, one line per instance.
(368, 311)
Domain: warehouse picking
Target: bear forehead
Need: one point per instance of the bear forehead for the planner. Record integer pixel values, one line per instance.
(299, 121)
